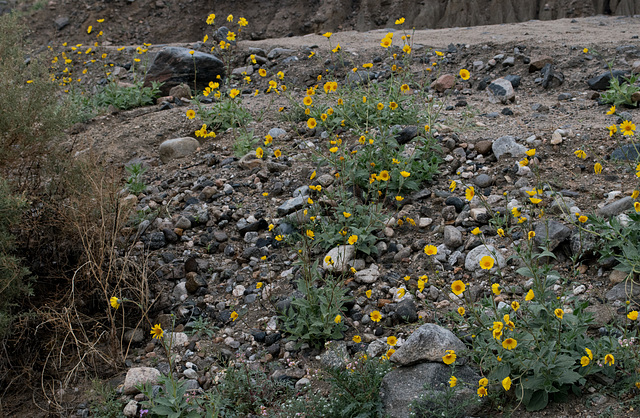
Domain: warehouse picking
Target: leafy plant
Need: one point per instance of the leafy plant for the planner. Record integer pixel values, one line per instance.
(104, 401)
(315, 318)
(246, 390)
(202, 326)
(620, 93)
(619, 240)
(135, 183)
(225, 114)
(244, 143)
(126, 97)
(172, 401)
(355, 389)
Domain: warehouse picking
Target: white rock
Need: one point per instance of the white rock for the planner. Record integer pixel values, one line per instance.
(238, 290)
(139, 375)
(424, 222)
(131, 409)
(369, 275)
(340, 256)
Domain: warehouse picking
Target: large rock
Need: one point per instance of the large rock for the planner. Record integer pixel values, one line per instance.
(173, 66)
(601, 82)
(507, 145)
(340, 256)
(624, 291)
(428, 343)
(403, 385)
(137, 376)
(552, 231)
(178, 148)
(626, 153)
(472, 261)
(501, 90)
(452, 237)
(551, 77)
(444, 82)
(369, 275)
(538, 64)
(617, 207)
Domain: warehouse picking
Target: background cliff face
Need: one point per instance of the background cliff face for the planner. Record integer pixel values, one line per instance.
(183, 21)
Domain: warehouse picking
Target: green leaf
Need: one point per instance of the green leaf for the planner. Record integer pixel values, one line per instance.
(525, 271)
(500, 372)
(568, 377)
(539, 400)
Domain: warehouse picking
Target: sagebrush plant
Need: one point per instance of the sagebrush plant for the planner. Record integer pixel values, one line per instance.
(33, 114)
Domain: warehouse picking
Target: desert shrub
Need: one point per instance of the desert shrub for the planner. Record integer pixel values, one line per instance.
(33, 114)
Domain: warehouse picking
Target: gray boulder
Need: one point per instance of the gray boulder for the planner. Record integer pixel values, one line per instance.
(428, 343)
(472, 261)
(137, 376)
(507, 145)
(177, 148)
(404, 385)
(173, 66)
(552, 231)
(340, 256)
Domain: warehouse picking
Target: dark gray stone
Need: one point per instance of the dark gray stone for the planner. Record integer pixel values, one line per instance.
(553, 231)
(624, 291)
(483, 180)
(359, 77)
(61, 22)
(514, 80)
(456, 202)
(276, 52)
(244, 226)
(617, 207)
(406, 311)
(629, 152)
(156, 240)
(174, 65)
(291, 205)
(551, 77)
(601, 82)
(452, 237)
(407, 134)
(170, 236)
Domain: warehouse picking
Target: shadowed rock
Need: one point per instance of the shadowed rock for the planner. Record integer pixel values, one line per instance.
(173, 66)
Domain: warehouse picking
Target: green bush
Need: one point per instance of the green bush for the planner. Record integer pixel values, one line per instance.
(33, 113)
(127, 97)
(316, 317)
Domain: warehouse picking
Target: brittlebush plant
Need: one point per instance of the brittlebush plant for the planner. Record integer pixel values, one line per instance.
(536, 348)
